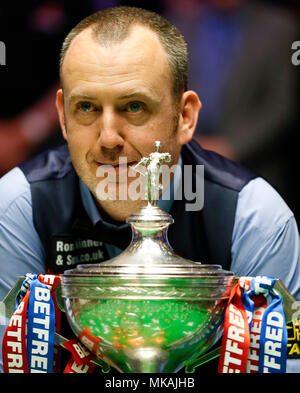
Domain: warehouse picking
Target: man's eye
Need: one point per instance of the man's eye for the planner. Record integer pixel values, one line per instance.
(134, 107)
(86, 106)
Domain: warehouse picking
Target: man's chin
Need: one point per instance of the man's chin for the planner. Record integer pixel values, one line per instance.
(121, 189)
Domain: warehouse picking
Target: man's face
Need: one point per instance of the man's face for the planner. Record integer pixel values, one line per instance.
(116, 103)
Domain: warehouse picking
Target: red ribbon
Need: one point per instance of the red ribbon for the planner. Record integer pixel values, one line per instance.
(236, 336)
(14, 354)
(80, 361)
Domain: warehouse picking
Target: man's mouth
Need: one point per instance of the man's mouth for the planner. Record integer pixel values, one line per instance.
(122, 166)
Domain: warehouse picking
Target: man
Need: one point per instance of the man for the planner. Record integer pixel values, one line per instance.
(124, 86)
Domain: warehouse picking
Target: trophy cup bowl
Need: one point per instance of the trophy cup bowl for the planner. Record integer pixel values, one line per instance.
(151, 322)
(148, 310)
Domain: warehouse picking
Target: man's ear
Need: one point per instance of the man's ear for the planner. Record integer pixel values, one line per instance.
(61, 112)
(189, 109)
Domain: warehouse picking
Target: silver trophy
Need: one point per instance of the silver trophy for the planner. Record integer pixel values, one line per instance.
(148, 310)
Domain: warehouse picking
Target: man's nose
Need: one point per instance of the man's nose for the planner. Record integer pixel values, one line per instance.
(110, 130)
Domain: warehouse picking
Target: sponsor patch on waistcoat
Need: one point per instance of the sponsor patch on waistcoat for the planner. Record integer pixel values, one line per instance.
(68, 251)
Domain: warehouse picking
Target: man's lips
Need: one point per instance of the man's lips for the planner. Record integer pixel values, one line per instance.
(116, 167)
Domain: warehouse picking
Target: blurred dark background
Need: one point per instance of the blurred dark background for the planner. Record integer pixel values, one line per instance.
(240, 65)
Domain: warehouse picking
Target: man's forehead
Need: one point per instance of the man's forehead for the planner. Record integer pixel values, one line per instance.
(140, 53)
(139, 39)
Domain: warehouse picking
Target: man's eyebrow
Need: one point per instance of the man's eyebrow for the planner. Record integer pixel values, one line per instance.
(135, 93)
(138, 94)
(74, 97)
